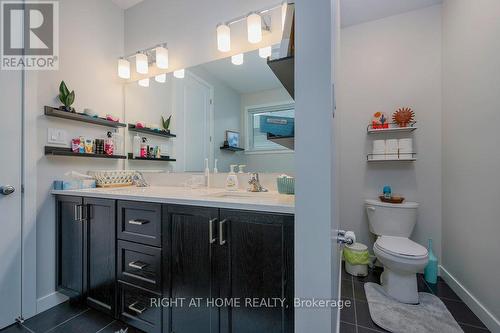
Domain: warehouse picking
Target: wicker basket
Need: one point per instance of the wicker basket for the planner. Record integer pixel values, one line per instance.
(113, 178)
(286, 185)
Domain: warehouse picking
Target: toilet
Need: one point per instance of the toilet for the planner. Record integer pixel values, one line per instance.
(402, 258)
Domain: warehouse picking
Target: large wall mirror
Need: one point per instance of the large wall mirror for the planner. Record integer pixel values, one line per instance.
(214, 105)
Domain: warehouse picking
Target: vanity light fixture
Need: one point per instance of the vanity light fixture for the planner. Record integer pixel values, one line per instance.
(123, 68)
(254, 28)
(223, 38)
(141, 63)
(237, 59)
(179, 74)
(161, 54)
(162, 78)
(144, 83)
(265, 52)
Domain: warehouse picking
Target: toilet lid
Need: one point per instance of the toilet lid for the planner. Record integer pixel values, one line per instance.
(401, 246)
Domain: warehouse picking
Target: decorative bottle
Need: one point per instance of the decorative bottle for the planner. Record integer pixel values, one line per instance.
(431, 270)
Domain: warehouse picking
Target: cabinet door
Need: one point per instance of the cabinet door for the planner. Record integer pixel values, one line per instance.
(100, 254)
(190, 270)
(256, 266)
(69, 245)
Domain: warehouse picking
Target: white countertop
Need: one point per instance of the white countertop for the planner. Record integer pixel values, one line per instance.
(214, 197)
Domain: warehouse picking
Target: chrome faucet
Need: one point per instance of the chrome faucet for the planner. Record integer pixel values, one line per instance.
(255, 183)
(139, 179)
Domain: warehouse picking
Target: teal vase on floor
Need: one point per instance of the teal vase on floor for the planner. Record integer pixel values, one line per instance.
(431, 270)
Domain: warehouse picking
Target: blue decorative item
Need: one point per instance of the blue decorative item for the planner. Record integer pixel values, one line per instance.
(387, 192)
(431, 270)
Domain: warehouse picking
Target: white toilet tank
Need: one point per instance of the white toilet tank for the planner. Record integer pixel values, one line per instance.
(391, 219)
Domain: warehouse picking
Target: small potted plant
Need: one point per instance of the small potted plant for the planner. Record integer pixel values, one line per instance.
(166, 124)
(66, 97)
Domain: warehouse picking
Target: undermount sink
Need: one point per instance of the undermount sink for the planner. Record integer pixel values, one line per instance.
(227, 194)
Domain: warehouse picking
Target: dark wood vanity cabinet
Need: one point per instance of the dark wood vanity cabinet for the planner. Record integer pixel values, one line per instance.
(181, 253)
(86, 250)
(255, 264)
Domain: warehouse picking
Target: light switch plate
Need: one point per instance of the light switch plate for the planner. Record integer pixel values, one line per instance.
(57, 136)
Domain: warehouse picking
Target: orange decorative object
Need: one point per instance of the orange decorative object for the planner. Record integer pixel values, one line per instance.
(379, 120)
(403, 116)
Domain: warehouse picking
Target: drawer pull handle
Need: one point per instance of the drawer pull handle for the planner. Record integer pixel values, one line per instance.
(135, 309)
(138, 222)
(222, 225)
(211, 237)
(137, 264)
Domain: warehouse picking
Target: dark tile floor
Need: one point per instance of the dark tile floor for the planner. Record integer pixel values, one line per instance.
(75, 318)
(356, 319)
(70, 318)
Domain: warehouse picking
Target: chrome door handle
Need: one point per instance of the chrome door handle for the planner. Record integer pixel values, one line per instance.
(137, 264)
(7, 189)
(222, 241)
(135, 309)
(211, 237)
(79, 213)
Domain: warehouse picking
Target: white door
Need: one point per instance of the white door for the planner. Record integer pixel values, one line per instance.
(10, 203)
(197, 118)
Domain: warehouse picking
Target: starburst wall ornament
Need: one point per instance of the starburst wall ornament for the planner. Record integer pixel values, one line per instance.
(403, 116)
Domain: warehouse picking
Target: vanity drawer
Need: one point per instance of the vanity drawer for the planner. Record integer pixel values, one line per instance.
(139, 265)
(134, 308)
(139, 222)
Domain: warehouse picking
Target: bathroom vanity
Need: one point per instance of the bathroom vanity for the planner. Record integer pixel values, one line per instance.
(125, 251)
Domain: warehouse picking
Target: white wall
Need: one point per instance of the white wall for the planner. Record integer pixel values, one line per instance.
(91, 39)
(385, 64)
(282, 161)
(471, 184)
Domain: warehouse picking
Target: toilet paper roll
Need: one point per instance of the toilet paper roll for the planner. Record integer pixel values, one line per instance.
(349, 235)
(391, 147)
(405, 145)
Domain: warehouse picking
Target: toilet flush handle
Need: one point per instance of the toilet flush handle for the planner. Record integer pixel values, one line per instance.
(370, 208)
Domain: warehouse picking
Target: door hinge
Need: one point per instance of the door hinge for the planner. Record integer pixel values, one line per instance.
(20, 320)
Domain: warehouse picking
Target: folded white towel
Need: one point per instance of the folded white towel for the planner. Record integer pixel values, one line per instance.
(406, 145)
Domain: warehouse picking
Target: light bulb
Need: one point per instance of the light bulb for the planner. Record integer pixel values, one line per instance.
(123, 68)
(162, 78)
(254, 28)
(265, 52)
(284, 6)
(161, 57)
(237, 59)
(223, 38)
(141, 63)
(179, 73)
(144, 83)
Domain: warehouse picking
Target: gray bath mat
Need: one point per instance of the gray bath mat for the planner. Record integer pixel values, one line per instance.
(431, 315)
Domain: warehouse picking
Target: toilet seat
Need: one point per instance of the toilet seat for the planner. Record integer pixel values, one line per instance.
(401, 247)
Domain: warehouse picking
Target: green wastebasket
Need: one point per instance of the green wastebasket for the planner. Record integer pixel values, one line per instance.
(356, 258)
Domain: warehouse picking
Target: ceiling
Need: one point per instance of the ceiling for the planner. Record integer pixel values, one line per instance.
(126, 4)
(358, 11)
(253, 76)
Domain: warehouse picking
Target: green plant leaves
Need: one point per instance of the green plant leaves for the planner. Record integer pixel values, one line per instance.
(166, 123)
(66, 97)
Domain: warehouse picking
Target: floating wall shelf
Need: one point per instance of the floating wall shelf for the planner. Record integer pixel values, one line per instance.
(149, 131)
(162, 159)
(58, 113)
(283, 68)
(403, 157)
(233, 149)
(393, 128)
(60, 151)
(285, 141)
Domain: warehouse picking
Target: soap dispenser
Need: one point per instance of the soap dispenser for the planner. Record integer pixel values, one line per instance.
(232, 179)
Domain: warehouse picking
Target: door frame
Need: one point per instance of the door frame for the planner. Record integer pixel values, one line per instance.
(211, 120)
(316, 251)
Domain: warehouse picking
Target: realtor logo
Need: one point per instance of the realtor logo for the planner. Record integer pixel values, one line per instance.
(29, 35)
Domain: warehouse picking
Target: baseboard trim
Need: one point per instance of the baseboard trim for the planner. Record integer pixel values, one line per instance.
(472, 302)
(48, 301)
